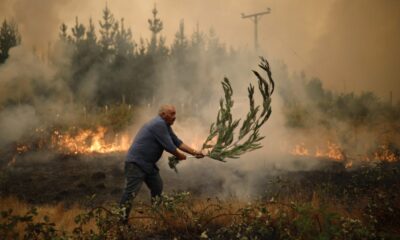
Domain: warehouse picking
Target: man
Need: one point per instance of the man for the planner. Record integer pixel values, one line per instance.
(150, 142)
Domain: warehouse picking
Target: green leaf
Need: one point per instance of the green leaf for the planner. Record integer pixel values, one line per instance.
(225, 126)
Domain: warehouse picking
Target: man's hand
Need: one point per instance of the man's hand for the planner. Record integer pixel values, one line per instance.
(180, 156)
(187, 149)
(198, 154)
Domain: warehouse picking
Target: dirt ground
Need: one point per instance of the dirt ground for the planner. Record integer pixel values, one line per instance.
(49, 178)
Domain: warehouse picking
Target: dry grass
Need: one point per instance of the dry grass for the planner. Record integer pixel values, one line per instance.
(189, 217)
(59, 214)
(211, 211)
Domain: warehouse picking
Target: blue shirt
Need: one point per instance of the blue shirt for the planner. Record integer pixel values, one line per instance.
(150, 142)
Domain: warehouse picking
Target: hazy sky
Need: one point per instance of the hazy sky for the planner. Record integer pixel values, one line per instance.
(349, 44)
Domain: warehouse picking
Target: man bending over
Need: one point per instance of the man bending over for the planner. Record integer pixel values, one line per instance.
(150, 142)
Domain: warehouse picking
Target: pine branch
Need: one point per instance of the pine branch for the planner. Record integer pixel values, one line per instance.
(222, 131)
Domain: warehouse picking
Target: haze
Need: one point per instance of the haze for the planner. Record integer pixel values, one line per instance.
(349, 45)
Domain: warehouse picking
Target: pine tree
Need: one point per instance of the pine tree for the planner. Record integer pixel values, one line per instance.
(198, 42)
(108, 29)
(9, 37)
(124, 47)
(91, 32)
(63, 32)
(215, 49)
(180, 45)
(162, 48)
(155, 26)
(142, 48)
(90, 43)
(78, 32)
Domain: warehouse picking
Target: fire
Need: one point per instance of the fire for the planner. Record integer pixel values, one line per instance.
(89, 141)
(334, 152)
(385, 154)
(300, 150)
(22, 149)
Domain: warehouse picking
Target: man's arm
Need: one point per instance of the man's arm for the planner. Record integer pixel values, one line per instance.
(187, 149)
(161, 133)
(179, 155)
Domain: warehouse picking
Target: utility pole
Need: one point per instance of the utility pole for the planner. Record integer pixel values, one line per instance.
(254, 17)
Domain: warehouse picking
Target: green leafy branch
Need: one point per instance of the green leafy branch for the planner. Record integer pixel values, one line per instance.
(220, 143)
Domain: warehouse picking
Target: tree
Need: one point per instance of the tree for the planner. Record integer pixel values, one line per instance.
(91, 32)
(198, 42)
(155, 26)
(9, 37)
(180, 45)
(90, 44)
(141, 51)
(108, 30)
(124, 47)
(78, 32)
(63, 32)
(214, 47)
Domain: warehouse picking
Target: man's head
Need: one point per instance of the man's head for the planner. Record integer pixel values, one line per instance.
(167, 112)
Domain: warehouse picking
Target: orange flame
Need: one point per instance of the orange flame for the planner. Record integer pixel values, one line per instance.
(89, 141)
(334, 152)
(300, 150)
(385, 154)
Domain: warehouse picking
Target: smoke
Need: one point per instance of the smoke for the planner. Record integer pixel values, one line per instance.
(39, 21)
(341, 48)
(12, 130)
(359, 49)
(351, 46)
(34, 94)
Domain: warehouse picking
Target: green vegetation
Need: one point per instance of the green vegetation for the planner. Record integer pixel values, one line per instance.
(9, 37)
(225, 145)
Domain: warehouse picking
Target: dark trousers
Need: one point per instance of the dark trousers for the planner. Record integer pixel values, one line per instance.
(135, 177)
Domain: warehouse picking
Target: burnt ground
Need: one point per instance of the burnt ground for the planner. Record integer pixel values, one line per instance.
(50, 178)
(57, 178)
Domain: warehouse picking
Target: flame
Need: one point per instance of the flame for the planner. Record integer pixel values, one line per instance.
(89, 141)
(385, 154)
(300, 150)
(22, 148)
(101, 140)
(333, 152)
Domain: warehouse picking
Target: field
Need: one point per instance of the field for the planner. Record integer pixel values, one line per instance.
(74, 197)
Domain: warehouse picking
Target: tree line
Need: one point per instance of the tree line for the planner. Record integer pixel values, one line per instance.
(106, 66)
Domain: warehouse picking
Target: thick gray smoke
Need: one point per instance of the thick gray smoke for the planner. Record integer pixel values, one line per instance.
(12, 129)
(30, 94)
